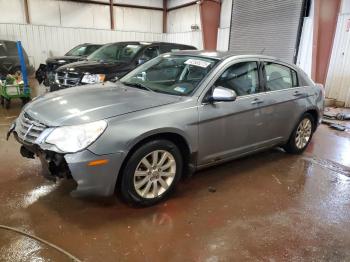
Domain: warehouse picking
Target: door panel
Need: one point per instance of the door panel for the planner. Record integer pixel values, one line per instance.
(284, 100)
(228, 129)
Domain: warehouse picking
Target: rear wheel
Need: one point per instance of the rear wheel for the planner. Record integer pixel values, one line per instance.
(151, 173)
(301, 136)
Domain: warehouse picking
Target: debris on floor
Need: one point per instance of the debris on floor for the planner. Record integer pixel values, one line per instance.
(336, 118)
(334, 125)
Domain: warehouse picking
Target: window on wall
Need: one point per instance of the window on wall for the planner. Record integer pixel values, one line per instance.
(241, 77)
(279, 77)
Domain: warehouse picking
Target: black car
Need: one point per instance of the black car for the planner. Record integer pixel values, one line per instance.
(80, 52)
(9, 59)
(110, 62)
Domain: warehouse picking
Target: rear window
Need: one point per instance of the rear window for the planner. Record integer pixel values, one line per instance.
(174, 48)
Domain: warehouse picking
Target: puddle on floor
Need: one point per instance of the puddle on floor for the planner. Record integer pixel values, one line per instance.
(330, 165)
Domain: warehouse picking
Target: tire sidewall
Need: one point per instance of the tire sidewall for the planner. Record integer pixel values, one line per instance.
(127, 185)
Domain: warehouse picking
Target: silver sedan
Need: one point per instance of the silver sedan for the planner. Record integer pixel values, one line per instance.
(171, 116)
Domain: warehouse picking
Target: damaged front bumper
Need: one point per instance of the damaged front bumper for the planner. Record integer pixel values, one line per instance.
(98, 180)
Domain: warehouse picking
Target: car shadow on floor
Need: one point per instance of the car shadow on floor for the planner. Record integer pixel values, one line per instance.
(271, 169)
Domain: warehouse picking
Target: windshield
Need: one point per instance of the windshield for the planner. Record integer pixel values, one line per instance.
(170, 74)
(115, 52)
(82, 50)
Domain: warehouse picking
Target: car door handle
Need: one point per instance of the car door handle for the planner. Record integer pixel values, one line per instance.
(257, 101)
(297, 94)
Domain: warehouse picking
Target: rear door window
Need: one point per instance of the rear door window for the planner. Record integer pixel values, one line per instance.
(279, 77)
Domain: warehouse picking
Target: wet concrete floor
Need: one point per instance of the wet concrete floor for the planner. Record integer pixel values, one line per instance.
(267, 207)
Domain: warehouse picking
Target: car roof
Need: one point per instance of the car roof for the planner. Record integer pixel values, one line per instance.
(147, 43)
(222, 55)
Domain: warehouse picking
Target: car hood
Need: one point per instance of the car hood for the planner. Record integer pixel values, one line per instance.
(83, 104)
(64, 59)
(93, 67)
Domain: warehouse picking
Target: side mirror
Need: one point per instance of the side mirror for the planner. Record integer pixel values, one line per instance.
(222, 94)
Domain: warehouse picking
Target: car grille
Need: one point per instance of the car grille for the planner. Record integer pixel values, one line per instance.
(28, 129)
(67, 79)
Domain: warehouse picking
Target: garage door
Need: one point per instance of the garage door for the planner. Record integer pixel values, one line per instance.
(265, 26)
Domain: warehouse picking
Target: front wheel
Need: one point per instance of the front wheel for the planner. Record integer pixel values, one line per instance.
(151, 173)
(301, 136)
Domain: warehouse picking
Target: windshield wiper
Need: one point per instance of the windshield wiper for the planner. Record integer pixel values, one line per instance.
(138, 85)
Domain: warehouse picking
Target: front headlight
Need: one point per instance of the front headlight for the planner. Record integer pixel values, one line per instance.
(71, 139)
(92, 79)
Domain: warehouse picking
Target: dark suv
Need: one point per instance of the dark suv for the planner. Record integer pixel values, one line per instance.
(45, 73)
(110, 62)
(9, 60)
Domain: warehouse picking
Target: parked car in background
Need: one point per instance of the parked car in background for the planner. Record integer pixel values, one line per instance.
(45, 72)
(9, 59)
(180, 111)
(110, 61)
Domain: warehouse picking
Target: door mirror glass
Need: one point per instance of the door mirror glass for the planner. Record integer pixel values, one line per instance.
(223, 94)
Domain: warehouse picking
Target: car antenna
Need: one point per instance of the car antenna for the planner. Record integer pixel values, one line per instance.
(262, 51)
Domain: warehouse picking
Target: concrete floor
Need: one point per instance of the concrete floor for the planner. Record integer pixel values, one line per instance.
(267, 207)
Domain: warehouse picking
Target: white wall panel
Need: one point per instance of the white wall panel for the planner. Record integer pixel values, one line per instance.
(151, 3)
(223, 39)
(225, 14)
(41, 42)
(180, 20)
(76, 15)
(12, 11)
(174, 3)
(138, 20)
(304, 59)
(101, 17)
(68, 14)
(189, 38)
(338, 77)
(44, 12)
(345, 7)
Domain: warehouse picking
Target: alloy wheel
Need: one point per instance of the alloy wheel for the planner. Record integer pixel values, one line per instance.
(154, 174)
(303, 133)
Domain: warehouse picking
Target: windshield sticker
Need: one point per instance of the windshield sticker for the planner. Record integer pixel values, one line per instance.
(180, 89)
(196, 62)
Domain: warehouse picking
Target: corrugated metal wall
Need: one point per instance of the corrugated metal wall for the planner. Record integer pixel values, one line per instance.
(269, 25)
(338, 77)
(41, 42)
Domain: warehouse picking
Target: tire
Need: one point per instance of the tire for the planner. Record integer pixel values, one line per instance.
(140, 190)
(298, 141)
